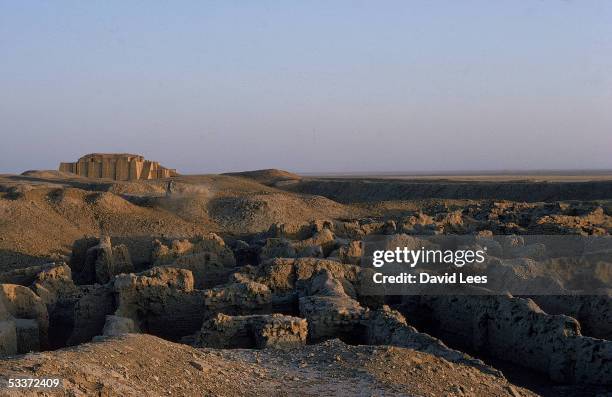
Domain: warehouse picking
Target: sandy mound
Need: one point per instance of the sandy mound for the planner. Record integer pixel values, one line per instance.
(136, 365)
(43, 223)
(49, 174)
(40, 220)
(270, 177)
(250, 214)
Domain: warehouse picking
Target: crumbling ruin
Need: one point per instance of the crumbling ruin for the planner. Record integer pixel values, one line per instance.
(307, 283)
(119, 167)
(253, 331)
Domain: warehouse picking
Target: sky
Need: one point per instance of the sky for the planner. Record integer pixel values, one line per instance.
(308, 86)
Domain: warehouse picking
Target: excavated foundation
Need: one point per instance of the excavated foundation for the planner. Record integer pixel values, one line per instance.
(286, 288)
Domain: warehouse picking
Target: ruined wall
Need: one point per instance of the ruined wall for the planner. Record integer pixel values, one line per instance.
(160, 301)
(120, 167)
(519, 331)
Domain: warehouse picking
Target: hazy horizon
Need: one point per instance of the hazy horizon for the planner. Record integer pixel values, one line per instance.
(317, 87)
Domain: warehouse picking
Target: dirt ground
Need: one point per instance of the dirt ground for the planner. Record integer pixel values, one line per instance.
(144, 365)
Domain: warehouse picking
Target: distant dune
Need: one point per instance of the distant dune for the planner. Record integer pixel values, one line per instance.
(268, 176)
(49, 174)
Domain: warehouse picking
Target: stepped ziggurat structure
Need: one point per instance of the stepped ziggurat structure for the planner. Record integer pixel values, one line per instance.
(117, 166)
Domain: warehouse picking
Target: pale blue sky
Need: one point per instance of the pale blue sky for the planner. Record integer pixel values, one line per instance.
(308, 86)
